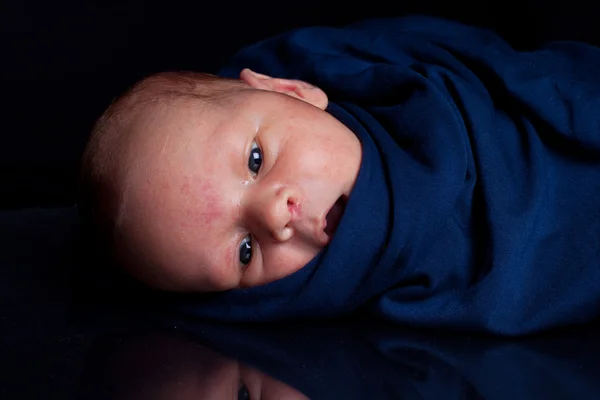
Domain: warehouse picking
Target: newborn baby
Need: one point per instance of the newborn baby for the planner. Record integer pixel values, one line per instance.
(446, 180)
(209, 184)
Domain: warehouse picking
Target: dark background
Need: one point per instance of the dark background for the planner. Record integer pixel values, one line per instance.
(62, 62)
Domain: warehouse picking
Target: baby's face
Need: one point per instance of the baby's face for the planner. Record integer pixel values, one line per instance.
(237, 196)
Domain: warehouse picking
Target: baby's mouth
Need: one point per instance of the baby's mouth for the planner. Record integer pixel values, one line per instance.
(334, 216)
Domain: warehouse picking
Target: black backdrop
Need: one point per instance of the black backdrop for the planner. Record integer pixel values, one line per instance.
(62, 62)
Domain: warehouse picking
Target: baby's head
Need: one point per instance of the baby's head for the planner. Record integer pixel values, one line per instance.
(198, 183)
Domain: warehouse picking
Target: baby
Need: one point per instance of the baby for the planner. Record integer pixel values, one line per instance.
(445, 180)
(202, 183)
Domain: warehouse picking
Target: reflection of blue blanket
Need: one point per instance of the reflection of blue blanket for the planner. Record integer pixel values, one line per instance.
(478, 202)
(353, 361)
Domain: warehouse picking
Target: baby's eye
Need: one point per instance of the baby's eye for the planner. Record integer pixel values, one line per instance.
(256, 158)
(246, 250)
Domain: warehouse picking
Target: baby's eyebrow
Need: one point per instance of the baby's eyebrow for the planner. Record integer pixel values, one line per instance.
(229, 262)
(217, 267)
(231, 254)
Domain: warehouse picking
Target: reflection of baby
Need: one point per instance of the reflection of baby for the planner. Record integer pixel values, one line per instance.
(170, 367)
(200, 183)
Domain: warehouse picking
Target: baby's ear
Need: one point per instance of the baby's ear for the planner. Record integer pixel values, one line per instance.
(295, 88)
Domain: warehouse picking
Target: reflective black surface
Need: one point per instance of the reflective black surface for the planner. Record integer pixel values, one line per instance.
(349, 361)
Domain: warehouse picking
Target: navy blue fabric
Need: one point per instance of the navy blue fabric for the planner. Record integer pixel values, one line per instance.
(477, 206)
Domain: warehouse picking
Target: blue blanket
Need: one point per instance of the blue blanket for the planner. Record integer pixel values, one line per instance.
(477, 206)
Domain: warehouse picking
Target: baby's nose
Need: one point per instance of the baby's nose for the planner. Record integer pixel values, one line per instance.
(276, 213)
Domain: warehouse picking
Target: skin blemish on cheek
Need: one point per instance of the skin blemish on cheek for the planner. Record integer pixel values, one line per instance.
(165, 186)
(185, 189)
(202, 202)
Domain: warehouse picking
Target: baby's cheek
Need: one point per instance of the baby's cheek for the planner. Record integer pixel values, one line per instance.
(282, 260)
(202, 203)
